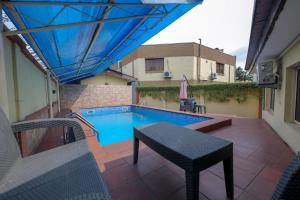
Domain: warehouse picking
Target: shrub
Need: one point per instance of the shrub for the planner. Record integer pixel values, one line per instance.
(211, 92)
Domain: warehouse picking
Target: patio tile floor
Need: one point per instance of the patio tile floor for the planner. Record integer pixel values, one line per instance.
(260, 156)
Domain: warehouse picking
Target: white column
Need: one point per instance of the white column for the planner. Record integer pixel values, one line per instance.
(49, 88)
(4, 103)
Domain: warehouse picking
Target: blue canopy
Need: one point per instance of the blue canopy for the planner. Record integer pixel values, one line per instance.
(79, 39)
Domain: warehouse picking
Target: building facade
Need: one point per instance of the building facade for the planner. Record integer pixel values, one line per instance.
(167, 63)
(280, 47)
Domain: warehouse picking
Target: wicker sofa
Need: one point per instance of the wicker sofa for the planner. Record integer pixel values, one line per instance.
(288, 187)
(65, 172)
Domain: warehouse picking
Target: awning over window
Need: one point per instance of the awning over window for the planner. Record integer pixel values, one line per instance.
(79, 39)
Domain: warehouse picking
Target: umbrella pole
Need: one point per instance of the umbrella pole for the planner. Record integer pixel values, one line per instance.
(189, 87)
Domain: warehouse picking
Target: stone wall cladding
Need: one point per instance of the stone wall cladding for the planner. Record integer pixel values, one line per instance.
(75, 97)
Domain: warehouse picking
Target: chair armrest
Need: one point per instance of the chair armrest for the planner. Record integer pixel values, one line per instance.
(48, 123)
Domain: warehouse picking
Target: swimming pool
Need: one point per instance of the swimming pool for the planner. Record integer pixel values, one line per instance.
(115, 124)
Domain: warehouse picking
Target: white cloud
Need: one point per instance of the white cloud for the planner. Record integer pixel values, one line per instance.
(219, 23)
(241, 55)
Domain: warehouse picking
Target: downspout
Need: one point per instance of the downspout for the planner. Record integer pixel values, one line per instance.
(16, 82)
(133, 68)
(49, 90)
(119, 66)
(229, 73)
(199, 61)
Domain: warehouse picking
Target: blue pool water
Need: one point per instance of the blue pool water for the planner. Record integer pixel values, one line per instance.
(115, 124)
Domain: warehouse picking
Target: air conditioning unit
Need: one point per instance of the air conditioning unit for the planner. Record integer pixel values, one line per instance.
(212, 76)
(168, 74)
(266, 77)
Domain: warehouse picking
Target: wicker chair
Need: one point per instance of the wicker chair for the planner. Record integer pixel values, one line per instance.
(65, 172)
(288, 187)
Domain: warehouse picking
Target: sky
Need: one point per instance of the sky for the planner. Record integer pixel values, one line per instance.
(223, 24)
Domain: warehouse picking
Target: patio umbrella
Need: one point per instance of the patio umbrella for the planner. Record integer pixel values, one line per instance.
(183, 89)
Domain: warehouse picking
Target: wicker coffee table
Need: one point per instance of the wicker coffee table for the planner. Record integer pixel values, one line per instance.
(191, 150)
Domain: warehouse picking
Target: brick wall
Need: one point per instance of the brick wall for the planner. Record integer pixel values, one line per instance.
(31, 139)
(75, 97)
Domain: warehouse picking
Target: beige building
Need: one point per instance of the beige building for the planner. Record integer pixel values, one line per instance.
(167, 63)
(278, 54)
(109, 77)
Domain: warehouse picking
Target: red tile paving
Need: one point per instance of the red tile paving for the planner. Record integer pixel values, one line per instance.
(260, 156)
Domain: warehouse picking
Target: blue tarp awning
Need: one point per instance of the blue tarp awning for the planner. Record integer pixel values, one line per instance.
(79, 39)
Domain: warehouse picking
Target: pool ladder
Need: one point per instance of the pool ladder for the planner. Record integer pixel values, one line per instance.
(79, 117)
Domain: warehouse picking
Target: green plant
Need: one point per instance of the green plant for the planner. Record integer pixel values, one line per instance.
(242, 75)
(211, 92)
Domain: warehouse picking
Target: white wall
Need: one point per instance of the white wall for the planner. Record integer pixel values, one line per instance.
(31, 86)
(4, 99)
(282, 119)
(178, 66)
(209, 66)
(24, 82)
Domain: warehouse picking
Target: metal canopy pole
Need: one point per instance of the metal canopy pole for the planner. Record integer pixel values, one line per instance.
(34, 45)
(131, 32)
(105, 59)
(128, 35)
(95, 37)
(49, 88)
(52, 27)
(42, 3)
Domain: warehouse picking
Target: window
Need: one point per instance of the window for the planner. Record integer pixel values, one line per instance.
(272, 99)
(220, 68)
(297, 111)
(154, 65)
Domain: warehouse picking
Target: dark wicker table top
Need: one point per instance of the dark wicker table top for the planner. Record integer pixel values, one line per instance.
(188, 143)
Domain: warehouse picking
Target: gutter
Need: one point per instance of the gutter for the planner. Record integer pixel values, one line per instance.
(121, 75)
(276, 10)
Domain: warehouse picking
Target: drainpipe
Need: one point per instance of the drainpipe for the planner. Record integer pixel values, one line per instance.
(58, 96)
(199, 61)
(49, 88)
(15, 80)
(133, 68)
(120, 66)
(229, 74)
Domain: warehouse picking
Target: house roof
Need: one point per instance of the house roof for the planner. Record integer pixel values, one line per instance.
(115, 73)
(264, 17)
(79, 39)
(178, 50)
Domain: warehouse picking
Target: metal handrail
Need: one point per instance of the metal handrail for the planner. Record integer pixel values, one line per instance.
(76, 115)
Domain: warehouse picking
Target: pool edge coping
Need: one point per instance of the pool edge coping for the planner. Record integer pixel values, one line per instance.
(215, 122)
